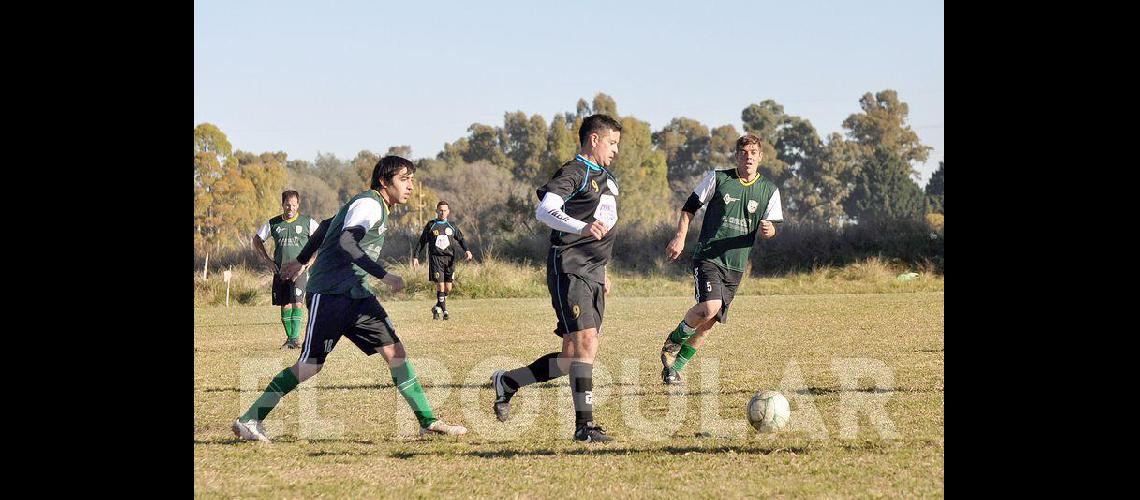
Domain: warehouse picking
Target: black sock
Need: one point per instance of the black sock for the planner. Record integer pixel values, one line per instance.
(540, 370)
(441, 300)
(582, 386)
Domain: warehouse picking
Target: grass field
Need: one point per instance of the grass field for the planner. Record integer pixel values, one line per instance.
(346, 432)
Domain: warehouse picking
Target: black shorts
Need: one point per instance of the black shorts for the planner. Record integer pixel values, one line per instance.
(713, 282)
(441, 268)
(579, 303)
(363, 321)
(289, 291)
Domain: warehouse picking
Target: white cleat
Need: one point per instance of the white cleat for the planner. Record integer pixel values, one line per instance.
(250, 431)
(438, 427)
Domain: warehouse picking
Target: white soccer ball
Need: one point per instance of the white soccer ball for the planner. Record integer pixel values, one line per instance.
(768, 411)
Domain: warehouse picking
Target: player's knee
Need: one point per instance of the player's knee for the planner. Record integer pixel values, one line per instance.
(305, 371)
(709, 309)
(585, 344)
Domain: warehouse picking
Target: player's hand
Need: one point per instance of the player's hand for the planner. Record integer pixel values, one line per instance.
(606, 289)
(674, 248)
(767, 228)
(290, 270)
(415, 262)
(396, 282)
(469, 256)
(596, 228)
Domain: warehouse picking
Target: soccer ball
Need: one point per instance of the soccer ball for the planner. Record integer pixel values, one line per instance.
(768, 411)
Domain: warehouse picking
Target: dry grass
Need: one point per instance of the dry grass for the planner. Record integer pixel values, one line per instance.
(501, 279)
(346, 433)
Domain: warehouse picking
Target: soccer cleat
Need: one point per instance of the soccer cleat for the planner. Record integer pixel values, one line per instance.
(670, 376)
(438, 427)
(502, 404)
(445, 315)
(291, 343)
(434, 312)
(249, 431)
(591, 433)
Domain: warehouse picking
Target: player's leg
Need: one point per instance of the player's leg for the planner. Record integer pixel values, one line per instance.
(280, 296)
(321, 336)
(435, 275)
(678, 349)
(297, 319)
(373, 332)
(547, 367)
(446, 284)
(716, 310)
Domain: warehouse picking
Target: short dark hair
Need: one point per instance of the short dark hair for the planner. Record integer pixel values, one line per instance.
(596, 123)
(290, 194)
(747, 139)
(442, 203)
(387, 168)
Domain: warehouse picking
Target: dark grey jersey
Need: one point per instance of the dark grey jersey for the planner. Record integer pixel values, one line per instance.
(589, 193)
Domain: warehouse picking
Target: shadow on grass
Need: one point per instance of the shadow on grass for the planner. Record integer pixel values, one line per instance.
(823, 391)
(238, 324)
(231, 441)
(350, 386)
(585, 450)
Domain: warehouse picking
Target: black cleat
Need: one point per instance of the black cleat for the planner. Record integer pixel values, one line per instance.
(670, 376)
(291, 343)
(502, 404)
(434, 312)
(445, 315)
(591, 433)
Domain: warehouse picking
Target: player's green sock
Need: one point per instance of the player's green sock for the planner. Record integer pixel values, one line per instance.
(287, 321)
(278, 387)
(404, 376)
(682, 332)
(687, 353)
(297, 321)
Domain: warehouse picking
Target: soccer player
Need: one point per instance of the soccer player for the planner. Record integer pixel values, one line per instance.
(290, 232)
(579, 203)
(741, 204)
(441, 258)
(340, 303)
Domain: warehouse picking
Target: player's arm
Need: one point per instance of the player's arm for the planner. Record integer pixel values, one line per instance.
(697, 199)
(258, 242)
(422, 245)
(363, 214)
(553, 197)
(459, 239)
(773, 215)
(316, 228)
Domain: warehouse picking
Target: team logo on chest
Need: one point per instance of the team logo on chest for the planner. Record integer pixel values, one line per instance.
(752, 204)
(298, 228)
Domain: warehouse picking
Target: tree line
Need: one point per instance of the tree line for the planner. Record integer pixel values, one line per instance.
(863, 175)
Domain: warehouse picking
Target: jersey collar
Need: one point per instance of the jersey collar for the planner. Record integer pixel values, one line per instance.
(748, 183)
(592, 165)
(291, 220)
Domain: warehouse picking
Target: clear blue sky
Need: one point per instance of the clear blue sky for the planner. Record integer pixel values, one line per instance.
(342, 76)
